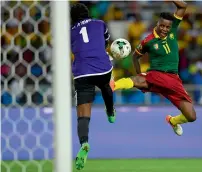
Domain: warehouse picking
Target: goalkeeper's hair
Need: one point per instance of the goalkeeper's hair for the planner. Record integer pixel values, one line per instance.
(78, 12)
(167, 16)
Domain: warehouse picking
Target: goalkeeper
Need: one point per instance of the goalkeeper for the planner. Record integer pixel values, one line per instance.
(91, 67)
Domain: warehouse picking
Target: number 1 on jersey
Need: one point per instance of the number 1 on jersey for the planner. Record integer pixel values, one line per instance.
(84, 33)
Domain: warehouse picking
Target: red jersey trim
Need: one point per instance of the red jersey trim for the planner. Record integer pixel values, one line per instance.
(143, 43)
(148, 38)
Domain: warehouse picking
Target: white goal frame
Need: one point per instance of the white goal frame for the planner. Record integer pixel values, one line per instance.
(62, 85)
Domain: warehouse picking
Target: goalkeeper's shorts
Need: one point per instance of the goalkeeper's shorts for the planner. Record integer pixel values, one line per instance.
(85, 87)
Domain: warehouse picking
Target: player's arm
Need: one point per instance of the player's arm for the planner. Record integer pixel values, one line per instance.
(136, 63)
(181, 8)
(107, 36)
(140, 50)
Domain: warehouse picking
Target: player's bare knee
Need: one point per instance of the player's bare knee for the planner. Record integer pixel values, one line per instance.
(134, 80)
(192, 116)
(188, 111)
(139, 82)
(84, 110)
(191, 119)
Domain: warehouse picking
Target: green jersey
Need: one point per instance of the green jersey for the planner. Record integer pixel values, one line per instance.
(163, 53)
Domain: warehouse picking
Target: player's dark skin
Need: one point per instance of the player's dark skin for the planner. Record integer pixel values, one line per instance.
(84, 110)
(162, 28)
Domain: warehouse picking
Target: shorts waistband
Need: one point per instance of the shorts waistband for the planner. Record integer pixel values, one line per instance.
(167, 71)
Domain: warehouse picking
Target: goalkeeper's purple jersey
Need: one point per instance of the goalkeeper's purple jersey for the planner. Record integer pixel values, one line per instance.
(88, 39)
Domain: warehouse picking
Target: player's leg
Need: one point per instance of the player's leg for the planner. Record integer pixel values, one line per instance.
(188, 113)
(83, 112)
(84, 98)
(127, 83)
(183, 102)
(107, 94)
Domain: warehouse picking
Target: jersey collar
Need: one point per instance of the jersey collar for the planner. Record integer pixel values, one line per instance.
(73, 25)
(156, 35)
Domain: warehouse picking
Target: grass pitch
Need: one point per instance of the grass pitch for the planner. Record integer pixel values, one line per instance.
(122, 165)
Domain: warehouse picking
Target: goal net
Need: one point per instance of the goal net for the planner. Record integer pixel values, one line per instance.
(26, 77)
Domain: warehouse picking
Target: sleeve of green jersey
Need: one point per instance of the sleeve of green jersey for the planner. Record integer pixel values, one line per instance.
(141, 48)
(176, 21)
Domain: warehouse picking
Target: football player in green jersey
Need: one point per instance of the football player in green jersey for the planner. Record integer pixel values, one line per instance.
(162, 77)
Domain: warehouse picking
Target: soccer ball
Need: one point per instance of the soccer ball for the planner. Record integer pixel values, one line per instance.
(120, 48)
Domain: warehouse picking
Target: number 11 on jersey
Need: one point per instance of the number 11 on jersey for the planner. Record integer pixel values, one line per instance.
(167, 49)
(84, 33)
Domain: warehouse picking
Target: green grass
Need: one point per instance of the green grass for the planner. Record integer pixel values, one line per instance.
(122, 165)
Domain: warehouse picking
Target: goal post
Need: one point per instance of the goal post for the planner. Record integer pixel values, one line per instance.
(62, 85)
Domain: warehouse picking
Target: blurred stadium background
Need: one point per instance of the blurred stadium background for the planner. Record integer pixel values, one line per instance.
(140, 131)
